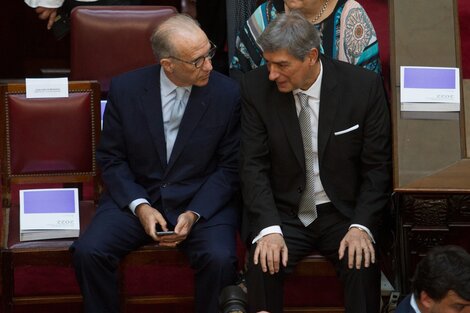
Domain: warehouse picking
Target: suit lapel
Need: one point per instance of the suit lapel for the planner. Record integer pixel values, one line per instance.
(288, 115)
(198, 103)
(329, 104)
(152, 107)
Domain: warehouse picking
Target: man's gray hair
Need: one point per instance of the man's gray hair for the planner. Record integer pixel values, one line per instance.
(290, 32)
(161, 39)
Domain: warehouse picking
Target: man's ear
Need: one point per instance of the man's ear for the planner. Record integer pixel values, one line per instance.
(167, 65)
(426, 301)
(313, 56)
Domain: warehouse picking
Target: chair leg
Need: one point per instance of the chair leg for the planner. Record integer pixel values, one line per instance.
(122, 288)
(7, 281)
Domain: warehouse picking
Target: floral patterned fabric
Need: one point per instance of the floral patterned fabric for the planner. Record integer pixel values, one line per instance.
(347, 35)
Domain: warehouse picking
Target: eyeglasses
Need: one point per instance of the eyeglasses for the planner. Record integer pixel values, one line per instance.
(200, 61)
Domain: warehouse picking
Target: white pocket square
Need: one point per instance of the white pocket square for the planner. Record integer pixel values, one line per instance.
(344, 131)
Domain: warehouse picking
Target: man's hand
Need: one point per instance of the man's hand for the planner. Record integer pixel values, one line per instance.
(183, 226)
(149, 217)
(271, 250)
(48, 14)
(359, 246)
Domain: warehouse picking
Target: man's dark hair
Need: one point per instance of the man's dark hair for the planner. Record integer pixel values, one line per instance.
(444, 268)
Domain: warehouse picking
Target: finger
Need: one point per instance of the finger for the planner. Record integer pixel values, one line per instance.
(51, 19)
(150, 229)
(359, 254)
(342, 248)
(285, 256)
(168, 238)
(372, 252)
(276, 261)
(167, 244)
(183, 229)
(351, 251)
(262, 257)
(256, 255)
(161, 221)
(43, 13)
(367, 255)
(179, 227)
(270, 260)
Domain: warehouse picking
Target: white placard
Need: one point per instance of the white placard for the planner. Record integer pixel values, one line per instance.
(46, 211)
(430, 89)
(47, 87)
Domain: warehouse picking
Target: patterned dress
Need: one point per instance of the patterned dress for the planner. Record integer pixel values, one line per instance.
(347, 35)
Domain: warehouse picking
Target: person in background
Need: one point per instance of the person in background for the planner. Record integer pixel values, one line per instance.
(315, 166)
(440, 284)
(168, 155)
(347, 33)
(212, 15)
(57, 12)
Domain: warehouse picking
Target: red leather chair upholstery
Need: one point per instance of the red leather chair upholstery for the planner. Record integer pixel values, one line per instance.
(44, 142)
(109, 40)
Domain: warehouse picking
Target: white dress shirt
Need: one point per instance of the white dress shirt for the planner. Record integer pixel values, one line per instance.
(413, 303)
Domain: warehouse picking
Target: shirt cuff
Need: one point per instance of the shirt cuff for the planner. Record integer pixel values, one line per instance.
(362, 227)
(44, 3)
(133, 205)
(276, 229)
(50, 3)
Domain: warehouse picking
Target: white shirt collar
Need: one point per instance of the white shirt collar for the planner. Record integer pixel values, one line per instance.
(413, 303)
(314, 90)
(167, 86)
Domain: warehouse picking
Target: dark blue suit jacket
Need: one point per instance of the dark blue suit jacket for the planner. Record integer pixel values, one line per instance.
(201, 174)
(405, 306)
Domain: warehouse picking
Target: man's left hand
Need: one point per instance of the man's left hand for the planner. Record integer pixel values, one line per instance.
(48, 14)
(359, 247)
(183, 226)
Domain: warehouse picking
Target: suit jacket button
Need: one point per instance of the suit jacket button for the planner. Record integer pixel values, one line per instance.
(299, 190)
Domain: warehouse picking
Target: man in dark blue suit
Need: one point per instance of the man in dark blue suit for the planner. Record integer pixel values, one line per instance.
(441, 283)
(169, 158)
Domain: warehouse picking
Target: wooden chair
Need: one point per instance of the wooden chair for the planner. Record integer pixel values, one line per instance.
(48, 142)
(109, 40)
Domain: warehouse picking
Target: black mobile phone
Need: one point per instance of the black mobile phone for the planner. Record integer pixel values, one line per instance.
(164, 233)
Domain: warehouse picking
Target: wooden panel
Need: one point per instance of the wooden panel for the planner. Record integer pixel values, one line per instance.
(453, 179)
(422, 33)
(466, 108)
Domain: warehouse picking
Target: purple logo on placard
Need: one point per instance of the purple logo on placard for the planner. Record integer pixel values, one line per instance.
(49, 201)
(103, 107)
(436, 78)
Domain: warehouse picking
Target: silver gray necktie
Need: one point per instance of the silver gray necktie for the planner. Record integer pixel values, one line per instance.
(176, 114)
(307, 208)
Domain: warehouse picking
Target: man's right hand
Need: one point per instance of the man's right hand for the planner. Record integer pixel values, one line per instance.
(270, 251)
(48, 14)
(149, 217)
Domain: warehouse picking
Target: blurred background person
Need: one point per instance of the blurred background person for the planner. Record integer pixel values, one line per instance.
(441, 283)
(57, 12)
(347, 32)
